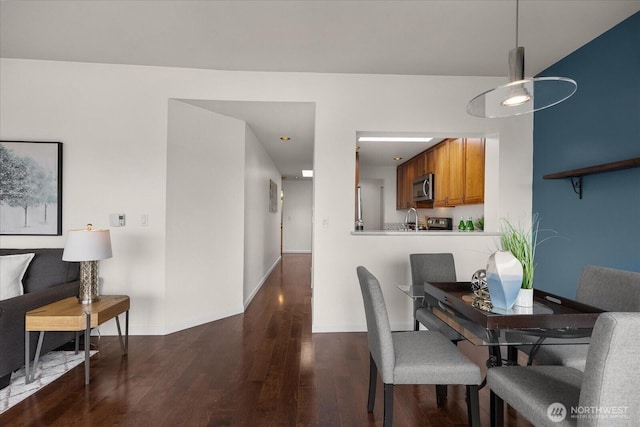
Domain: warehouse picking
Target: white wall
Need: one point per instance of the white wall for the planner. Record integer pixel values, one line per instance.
(388, 177)
(297, 215)
(399, 103)
(205, 246)
(113, 122)
(261, 227)
(113, 125)
(371, 194)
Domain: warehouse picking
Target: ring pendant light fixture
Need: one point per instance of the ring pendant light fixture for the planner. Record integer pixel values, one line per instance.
(520, 95)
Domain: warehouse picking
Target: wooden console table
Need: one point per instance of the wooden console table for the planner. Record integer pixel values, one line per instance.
(69, 315)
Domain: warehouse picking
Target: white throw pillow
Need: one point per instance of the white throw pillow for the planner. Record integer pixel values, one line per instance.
(12, 269)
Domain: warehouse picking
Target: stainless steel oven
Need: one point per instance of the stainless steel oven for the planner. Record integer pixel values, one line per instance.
(423, 188)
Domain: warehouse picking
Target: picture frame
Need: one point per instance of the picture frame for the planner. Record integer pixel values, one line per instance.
(31, 188)
(273, 197)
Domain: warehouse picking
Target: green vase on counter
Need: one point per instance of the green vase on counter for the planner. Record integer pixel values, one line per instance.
(469, 224)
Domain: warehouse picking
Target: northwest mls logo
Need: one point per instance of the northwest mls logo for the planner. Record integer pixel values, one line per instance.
(557, 412)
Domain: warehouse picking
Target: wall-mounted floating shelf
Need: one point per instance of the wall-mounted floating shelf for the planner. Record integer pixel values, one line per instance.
(576, 174)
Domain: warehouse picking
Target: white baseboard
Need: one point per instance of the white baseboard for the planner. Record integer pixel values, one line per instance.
(264, 279)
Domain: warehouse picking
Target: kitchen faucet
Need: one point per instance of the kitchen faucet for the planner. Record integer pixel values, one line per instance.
(406, 218)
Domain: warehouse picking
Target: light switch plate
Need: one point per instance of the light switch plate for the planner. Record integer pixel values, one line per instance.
(117, 220)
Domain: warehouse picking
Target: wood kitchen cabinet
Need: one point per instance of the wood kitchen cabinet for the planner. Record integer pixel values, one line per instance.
(474, 171)
(404, 196)
(420, 165)
(441, 174)
(460, 171)
(424, 163)
(400, 199)
(458, 168)
(430, 162)
(455, 195)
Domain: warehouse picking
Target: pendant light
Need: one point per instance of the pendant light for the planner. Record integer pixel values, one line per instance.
(520, 95)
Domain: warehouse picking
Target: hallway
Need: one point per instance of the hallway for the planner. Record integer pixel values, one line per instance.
(263, 368)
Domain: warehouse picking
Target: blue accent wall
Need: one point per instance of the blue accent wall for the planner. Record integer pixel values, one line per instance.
(599, 124)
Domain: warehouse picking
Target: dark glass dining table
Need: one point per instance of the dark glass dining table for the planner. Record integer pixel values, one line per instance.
(552, 320)
(564, 320)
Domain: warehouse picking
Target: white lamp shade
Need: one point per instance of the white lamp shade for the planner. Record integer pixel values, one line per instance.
(87, 245)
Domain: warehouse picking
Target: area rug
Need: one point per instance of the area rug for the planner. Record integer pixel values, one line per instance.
(51, 366)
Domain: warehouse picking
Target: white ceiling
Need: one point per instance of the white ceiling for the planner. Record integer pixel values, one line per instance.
(430, 37)
(271, 120)
(384, 154)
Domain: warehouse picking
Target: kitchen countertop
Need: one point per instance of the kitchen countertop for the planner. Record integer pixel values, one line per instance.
(423, 233)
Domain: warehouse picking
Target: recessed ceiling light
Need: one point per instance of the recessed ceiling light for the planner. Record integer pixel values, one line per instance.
(393, 139)
(307, 173)
(285, 138)
(397, 158)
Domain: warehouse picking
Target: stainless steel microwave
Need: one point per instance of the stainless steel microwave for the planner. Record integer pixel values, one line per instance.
(423, 188)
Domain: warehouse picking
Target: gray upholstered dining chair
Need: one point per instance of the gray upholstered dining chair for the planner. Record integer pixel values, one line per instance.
(413, 357)
(606, 288)
(433, 267)
(605, 394)
(436, 267)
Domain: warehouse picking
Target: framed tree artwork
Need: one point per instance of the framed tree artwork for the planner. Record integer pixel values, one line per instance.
(30, 188)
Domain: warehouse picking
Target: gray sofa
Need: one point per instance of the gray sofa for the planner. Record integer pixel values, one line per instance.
(47, 279)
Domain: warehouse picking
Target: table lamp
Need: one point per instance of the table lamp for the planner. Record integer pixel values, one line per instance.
(88, 246)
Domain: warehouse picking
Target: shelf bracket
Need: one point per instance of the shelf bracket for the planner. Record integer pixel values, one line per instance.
(576, 174)
(576, 183)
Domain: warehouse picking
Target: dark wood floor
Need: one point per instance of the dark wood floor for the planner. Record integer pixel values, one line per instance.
(262, 368)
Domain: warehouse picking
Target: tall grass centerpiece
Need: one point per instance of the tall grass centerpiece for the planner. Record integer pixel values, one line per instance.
(522, 244)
